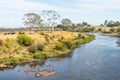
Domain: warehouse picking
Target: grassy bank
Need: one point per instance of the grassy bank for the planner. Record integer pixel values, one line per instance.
(17, 48)
(108, 31)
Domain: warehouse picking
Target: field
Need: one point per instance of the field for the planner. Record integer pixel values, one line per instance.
(43, 44)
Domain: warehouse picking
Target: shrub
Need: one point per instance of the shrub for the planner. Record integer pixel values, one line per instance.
(1, 42)
(9, 43)
(69, 44)
(118, 32)
(51, 38)
(92, 28)
(25, 40)
(59, 46)
(3, 60)
(99, 29)
(62, 37)
(90, 38)
(118, 29)
(78, 42)
(47, 38)
(80, 37)
(10, 59)
(36, 48)
(86, 29)
(39, 55)
(112, 29)
(40, 47)
(42, 33)
(14, 59)
(32, 49)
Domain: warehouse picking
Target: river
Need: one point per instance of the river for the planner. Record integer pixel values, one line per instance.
(97, 60)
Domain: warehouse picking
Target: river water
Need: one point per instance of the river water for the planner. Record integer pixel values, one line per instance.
(97, 60)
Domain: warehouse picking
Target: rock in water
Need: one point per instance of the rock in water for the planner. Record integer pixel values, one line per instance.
(45, 73)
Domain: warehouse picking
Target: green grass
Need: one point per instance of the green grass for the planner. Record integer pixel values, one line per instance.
(39, 51)
(25, 40)
(11, 60)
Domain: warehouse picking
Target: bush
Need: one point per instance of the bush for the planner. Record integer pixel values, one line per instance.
(62, 37)
(3, 60)
(118, 29)
(51, 38)
(40, 47)
(39, 55)
(92, 28)
(32, 49)
(78, 42)
(1, 42)
(59, 46)
(69, 44)
(47, 38)
(80, 37)
(86, 29)
(42, 33)
(9, 43)
(112, 29)
(99, 29)
(10, 59)
(90, 38)
(25, 40)
(14, 59)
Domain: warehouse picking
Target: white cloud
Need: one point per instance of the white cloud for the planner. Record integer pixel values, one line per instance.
(12, 10)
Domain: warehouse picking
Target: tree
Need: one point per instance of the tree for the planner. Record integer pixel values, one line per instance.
(84, 23)
(32, 20)
(66, 22)
(117, 23)
(106, 22)
(111, 23)
(50, 18)
(79, 25)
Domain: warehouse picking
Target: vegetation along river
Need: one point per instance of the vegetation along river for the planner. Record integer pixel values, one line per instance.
(97, 60)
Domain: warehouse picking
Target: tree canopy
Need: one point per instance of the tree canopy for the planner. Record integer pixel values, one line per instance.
(32, 20)
(50, 18)
(111, 23)
(66, 22)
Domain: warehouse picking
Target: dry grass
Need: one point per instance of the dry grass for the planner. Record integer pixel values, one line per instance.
(104, 28)
(10, 48)
(39, 38)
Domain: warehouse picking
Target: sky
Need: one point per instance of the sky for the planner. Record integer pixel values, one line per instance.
(94, 12)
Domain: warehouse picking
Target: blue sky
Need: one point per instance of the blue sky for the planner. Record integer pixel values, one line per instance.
(91, 11)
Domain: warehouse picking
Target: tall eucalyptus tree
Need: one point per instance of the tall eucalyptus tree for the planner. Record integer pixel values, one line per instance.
(50, 18)
(32, 20)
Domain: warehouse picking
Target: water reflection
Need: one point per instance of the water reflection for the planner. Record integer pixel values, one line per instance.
(31, 65)
(63, 56)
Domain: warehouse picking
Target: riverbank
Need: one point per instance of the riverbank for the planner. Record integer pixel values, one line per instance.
(112, 34)
(16, 50)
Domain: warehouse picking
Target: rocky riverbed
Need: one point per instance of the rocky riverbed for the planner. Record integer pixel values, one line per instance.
(40, 73)
(30, 61)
